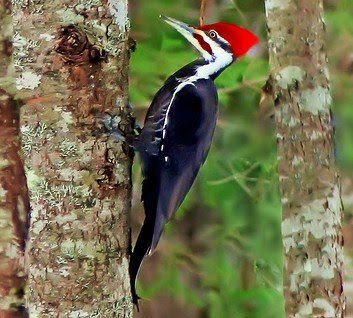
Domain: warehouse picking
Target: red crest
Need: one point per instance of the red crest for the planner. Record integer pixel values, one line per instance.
(240, 39)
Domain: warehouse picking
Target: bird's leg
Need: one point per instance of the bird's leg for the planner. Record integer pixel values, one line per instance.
(112, 125)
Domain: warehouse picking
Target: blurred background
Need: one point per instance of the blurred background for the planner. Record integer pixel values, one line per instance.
(221, 257)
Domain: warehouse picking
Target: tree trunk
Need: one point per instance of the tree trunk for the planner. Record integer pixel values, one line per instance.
(14, 203)
(310, 188)
(71, 60)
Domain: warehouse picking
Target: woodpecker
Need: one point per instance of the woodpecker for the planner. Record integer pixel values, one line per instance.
(178, 129)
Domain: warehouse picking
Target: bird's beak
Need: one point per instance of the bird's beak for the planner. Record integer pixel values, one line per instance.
(186, 30)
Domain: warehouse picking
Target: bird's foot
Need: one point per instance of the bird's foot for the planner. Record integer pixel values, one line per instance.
(112, 126)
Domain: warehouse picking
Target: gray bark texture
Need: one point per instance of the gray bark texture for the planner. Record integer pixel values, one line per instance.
(71, 63)
(14, 202)
(310, 187)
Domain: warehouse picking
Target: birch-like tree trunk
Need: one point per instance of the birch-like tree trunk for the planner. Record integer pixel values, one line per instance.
(310, 189)
(14, 203)
(71, 61)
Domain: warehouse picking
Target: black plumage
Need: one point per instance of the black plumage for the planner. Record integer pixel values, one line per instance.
(173, 145)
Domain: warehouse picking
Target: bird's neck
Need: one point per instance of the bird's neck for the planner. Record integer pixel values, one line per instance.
(215, 66)
(202, 69)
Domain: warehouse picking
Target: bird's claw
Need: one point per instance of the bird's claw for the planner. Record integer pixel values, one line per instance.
(112, 126)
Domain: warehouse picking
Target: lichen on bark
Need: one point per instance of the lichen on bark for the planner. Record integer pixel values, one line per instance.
(14, 204)
(71, 60)
(310, 187)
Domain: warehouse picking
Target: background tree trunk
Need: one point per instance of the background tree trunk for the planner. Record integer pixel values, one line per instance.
(14, 203)
(71, 60)
(310, 189)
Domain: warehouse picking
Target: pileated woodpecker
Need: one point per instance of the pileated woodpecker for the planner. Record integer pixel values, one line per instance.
(178, 129)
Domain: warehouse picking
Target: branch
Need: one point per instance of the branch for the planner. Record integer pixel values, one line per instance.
(202, 12)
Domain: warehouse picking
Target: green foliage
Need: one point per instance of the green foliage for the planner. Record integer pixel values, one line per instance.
(234, 251)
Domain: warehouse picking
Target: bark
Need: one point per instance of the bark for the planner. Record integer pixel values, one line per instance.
(310, 188)
(14, 203)
(71, 60)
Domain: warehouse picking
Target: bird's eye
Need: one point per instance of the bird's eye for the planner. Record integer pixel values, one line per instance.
(212, 34)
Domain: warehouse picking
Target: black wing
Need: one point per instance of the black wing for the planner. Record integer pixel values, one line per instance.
(150, 138)
(188, 136)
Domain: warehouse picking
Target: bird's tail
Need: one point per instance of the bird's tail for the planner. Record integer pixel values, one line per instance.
(142, 247)
(144, 240)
